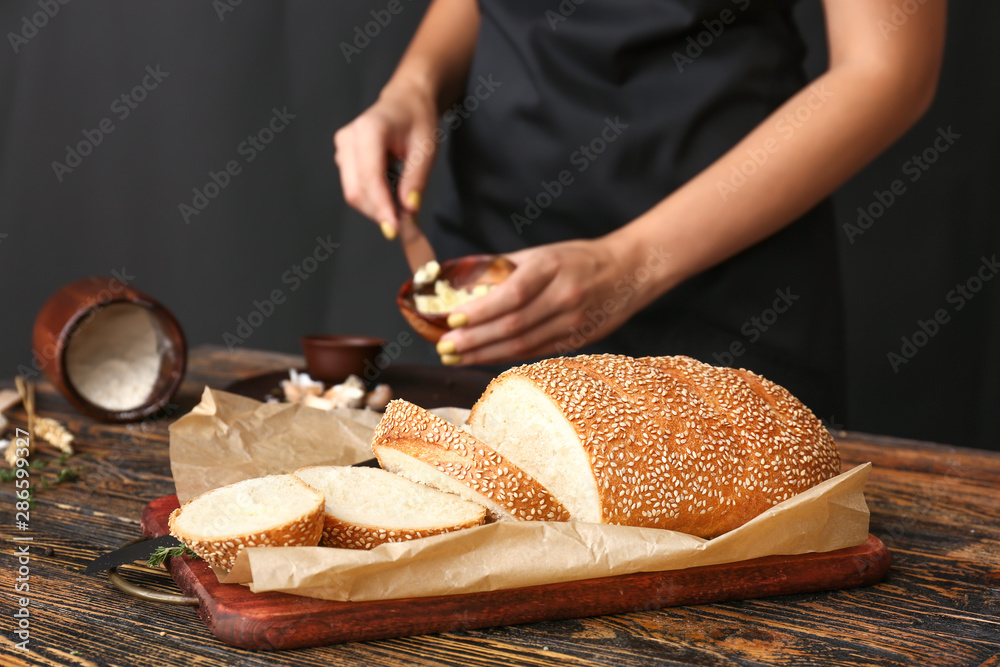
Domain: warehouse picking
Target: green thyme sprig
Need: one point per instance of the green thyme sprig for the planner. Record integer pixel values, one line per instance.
(10, 474)
(163, 553)
(66, 473)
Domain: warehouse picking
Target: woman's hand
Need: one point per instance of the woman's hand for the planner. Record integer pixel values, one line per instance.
(402, 124)
(560, 298)
(399, 126)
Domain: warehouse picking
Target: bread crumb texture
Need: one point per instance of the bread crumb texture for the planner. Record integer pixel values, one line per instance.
(366, 507)
(430, 444)
(276, 510)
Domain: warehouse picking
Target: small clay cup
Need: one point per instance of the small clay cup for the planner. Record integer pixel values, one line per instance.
(76, 304)
(467, 271)
(331, 358)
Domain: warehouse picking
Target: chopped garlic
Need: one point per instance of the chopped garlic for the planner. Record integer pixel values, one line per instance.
(299, 385)
(349, 394)
(317, 402)
(379, 397)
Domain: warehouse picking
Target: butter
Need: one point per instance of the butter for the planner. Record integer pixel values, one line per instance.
(447, 297)
(426, 274)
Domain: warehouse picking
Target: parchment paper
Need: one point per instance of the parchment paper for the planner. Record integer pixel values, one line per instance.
(228, 438)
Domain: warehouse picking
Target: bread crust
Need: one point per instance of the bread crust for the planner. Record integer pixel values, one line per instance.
(347, 535)
(678, 444)
(686, 446)
(448, 449)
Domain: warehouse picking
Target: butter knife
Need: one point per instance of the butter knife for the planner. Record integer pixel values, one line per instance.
(141, 550)
(416, 247)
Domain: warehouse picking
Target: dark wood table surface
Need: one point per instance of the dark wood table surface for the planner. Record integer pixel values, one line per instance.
(936, 507)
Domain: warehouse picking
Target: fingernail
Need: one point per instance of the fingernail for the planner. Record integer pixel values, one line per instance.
(413, 200)
(388, 231)
(451, 359)
(456, 320)
(446, 347)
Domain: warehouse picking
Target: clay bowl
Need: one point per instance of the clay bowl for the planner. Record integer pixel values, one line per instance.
(467, 272)
(66, 346)
(331, 358)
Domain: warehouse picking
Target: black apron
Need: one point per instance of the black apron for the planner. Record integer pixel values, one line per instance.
(580, 117)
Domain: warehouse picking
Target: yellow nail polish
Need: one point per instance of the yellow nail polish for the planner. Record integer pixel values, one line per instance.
(413, 200)
(451, 359)
(446, 347)
(388, 231)
(456, 320)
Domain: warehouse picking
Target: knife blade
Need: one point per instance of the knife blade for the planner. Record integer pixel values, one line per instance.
(130, 553)
(416, 247)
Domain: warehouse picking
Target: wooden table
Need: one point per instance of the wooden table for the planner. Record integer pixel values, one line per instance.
(936, 507)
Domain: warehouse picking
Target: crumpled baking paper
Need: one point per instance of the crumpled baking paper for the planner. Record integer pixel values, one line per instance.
(228, 438)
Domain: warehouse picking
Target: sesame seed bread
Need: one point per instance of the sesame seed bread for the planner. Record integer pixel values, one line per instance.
(276, 510)
(665, 442)
(366, 507)
(422, 447)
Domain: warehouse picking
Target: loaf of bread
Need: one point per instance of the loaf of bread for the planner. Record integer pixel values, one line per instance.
(366, 507)
(422, 447)
(277, 510)
(665, 442)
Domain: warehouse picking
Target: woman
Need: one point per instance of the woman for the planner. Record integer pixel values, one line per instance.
(642, 162)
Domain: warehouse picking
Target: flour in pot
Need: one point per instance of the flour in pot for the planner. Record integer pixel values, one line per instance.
(112, 359)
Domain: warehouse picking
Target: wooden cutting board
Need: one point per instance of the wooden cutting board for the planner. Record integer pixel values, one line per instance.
(269, 621)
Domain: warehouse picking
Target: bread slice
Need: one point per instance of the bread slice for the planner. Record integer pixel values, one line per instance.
(366, 507)
(422, 447)
(533, 416)
(277, 510)
(664, 442)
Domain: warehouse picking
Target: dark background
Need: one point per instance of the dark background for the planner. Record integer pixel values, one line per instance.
(228, 72)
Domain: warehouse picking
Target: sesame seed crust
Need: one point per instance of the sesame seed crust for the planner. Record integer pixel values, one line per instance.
(678, 444)
(424, 436)
(346, 535)
(695, 467)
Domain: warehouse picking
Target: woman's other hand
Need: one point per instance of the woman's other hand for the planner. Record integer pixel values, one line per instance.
(561, 297)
